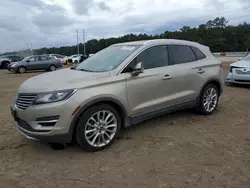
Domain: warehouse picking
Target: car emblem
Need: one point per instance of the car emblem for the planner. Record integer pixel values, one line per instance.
(245, 70)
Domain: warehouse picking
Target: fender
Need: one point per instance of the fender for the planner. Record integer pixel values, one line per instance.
(95, 101)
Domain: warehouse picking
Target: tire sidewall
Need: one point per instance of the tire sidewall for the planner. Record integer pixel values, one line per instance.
(21, 71)
(202, 108)
(50, 68)
(80, 129)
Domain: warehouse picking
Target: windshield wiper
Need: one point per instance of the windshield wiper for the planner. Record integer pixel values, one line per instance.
(85, 70)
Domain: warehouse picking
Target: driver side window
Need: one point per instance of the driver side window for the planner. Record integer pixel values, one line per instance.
(153, 57)
(32, 59)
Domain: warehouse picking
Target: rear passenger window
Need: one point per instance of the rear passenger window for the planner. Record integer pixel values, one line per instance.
(198, 53)
(154, 57)
(180, 54)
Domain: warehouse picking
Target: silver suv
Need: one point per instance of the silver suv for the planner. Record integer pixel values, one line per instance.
(117, 87)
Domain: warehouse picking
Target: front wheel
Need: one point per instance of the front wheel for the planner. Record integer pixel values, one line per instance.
(98, 127)
(52, 68)
(21, 70)
(209, 99)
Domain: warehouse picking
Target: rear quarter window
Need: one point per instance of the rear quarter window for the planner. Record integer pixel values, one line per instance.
(198, 53)
(179, 54)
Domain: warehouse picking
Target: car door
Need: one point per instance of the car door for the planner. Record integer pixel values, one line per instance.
(186, 72)
(45, 62)
(32, 63)
(152, 89)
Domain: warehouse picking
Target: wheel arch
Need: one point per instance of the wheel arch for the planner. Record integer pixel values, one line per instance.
(215, 82)
(4, 61)
(113, 102)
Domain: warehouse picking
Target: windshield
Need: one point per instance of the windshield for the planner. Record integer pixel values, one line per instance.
(108, 59)
(247, 58)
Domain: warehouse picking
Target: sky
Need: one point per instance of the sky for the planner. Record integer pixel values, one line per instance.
(53, 23)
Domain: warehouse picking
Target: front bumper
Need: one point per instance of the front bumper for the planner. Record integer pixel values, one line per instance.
(235, 78)
(46, 122)
(12, 68)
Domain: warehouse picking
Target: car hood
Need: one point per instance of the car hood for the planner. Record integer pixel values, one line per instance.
(59, 80)
(241, 64)
(16, 63)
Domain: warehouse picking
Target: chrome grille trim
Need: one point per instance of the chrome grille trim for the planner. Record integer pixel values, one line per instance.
(239, 71)
(25, 100)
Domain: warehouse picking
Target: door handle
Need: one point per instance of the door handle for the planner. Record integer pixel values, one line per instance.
(200, 71)
(166, 77)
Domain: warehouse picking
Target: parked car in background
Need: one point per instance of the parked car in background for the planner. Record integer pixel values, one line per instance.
(76, 58)
(119, 86)
(36, 62)
(5, 60)
(61, 58)
(239, 72)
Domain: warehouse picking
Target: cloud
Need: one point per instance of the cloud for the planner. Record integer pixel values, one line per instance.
(54, 22)
(103, 6)
(82, 7)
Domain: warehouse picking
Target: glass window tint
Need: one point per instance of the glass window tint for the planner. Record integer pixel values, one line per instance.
(44, 58)
(32, 59)
(154, 57)
(180, 54)
(198, 53)
(59, 56)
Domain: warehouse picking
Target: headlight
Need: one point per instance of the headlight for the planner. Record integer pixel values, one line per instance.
(55, 96)
(14, 64)
(231, 68)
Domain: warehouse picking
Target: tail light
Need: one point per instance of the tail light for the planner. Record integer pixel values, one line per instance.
(59, 60)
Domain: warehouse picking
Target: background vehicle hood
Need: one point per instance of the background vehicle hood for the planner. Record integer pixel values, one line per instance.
(241, 64)
(59, 80)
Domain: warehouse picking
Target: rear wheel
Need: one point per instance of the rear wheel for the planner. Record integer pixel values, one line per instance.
(52, 68)
(98, 127)
(209, 99)
(4, 65)
(21, 70)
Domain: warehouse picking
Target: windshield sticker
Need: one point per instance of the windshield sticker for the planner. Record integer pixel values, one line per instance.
(128, 48)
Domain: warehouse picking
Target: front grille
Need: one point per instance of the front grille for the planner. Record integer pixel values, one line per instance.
(25, 100)
(245, 81)
(238, 71)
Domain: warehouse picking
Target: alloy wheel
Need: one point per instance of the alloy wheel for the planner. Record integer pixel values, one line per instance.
(101, 128)
(210, 99)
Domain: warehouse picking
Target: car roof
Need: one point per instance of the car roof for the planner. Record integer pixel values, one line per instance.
(159, 42)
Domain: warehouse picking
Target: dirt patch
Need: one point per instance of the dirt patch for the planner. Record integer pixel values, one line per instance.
(178, 150)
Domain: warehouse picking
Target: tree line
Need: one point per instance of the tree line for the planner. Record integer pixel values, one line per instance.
(216, 34)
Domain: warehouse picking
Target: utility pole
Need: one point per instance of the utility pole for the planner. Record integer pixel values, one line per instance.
(77, 41)
(84, 42)
(31, 49)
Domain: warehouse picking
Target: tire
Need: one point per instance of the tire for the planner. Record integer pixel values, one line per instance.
(21, 69)
(52, 68)
(76, 62)
(5, 64)
(208, 100)
(100, 133)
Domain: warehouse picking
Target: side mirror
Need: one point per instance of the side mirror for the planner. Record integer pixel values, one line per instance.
(138, 69)
(28, 61)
